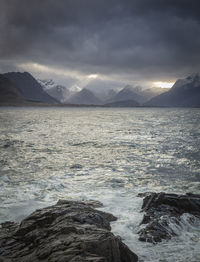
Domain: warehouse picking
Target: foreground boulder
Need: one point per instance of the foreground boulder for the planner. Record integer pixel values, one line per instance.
(163, 210)
(66, 232)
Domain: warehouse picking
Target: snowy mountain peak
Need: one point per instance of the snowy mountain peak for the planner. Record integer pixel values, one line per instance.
(192, 79)
(59, 92)
(84, 97)
(128, 87)
(184, 93)
(49, 83)
(131, 88)
(75, 88)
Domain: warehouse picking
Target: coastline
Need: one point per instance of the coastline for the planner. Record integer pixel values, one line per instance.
(77, 231)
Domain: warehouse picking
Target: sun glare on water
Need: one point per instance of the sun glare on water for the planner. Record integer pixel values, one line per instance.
(163, 84)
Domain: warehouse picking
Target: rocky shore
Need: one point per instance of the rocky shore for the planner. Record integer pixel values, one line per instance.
(75, 231)
(162, 211)
(69, 231)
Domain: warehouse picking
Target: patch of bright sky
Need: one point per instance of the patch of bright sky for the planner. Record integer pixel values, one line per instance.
(35, 67)
(163, 84)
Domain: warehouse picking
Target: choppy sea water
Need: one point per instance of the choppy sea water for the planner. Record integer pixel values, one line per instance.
(109, 155)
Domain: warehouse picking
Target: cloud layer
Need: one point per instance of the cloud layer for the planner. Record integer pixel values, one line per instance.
(132, 40)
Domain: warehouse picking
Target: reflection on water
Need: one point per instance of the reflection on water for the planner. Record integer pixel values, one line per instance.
(104, 154)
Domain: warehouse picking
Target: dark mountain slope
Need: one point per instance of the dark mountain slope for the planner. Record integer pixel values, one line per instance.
(28, 86)
(184, 93)
(9, 93)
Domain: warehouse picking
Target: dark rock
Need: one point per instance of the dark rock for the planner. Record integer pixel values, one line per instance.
(66, 232)
(76, 166)
(163, 209)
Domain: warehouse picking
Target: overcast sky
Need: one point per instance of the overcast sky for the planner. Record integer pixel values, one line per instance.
(116, 42)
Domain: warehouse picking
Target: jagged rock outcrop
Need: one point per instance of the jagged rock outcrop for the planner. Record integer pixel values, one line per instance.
(164, 209)
(66, 232)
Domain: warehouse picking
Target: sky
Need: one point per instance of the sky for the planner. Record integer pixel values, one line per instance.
(101, 43)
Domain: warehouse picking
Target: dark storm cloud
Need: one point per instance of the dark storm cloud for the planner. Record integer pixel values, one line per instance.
(143, 38)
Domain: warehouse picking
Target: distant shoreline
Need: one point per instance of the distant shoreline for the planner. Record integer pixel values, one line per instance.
(38, 104)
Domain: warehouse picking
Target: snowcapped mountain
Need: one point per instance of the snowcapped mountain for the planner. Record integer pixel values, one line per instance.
(184, 93)
(188, 82)
(61, 93)
(103, 95)
(126, 94)
(74, 89)
(136, 94)
(46, 83)
(84, 97)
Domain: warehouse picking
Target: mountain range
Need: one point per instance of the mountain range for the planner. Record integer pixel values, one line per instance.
(59, 92)
(19, 88)
(84, 97)
(127, 93)
(184, 93)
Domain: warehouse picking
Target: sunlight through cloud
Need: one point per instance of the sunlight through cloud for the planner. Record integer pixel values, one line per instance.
(163, 84)
(93, 76)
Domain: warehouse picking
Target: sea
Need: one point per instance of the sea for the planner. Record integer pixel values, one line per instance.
(105, 154)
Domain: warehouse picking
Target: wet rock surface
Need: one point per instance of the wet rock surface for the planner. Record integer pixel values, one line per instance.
(163, 210)
(69, 231)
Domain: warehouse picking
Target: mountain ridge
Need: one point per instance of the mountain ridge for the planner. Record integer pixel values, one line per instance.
(84, 97)
(59, 92)
(28, 86)
(184, 93)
